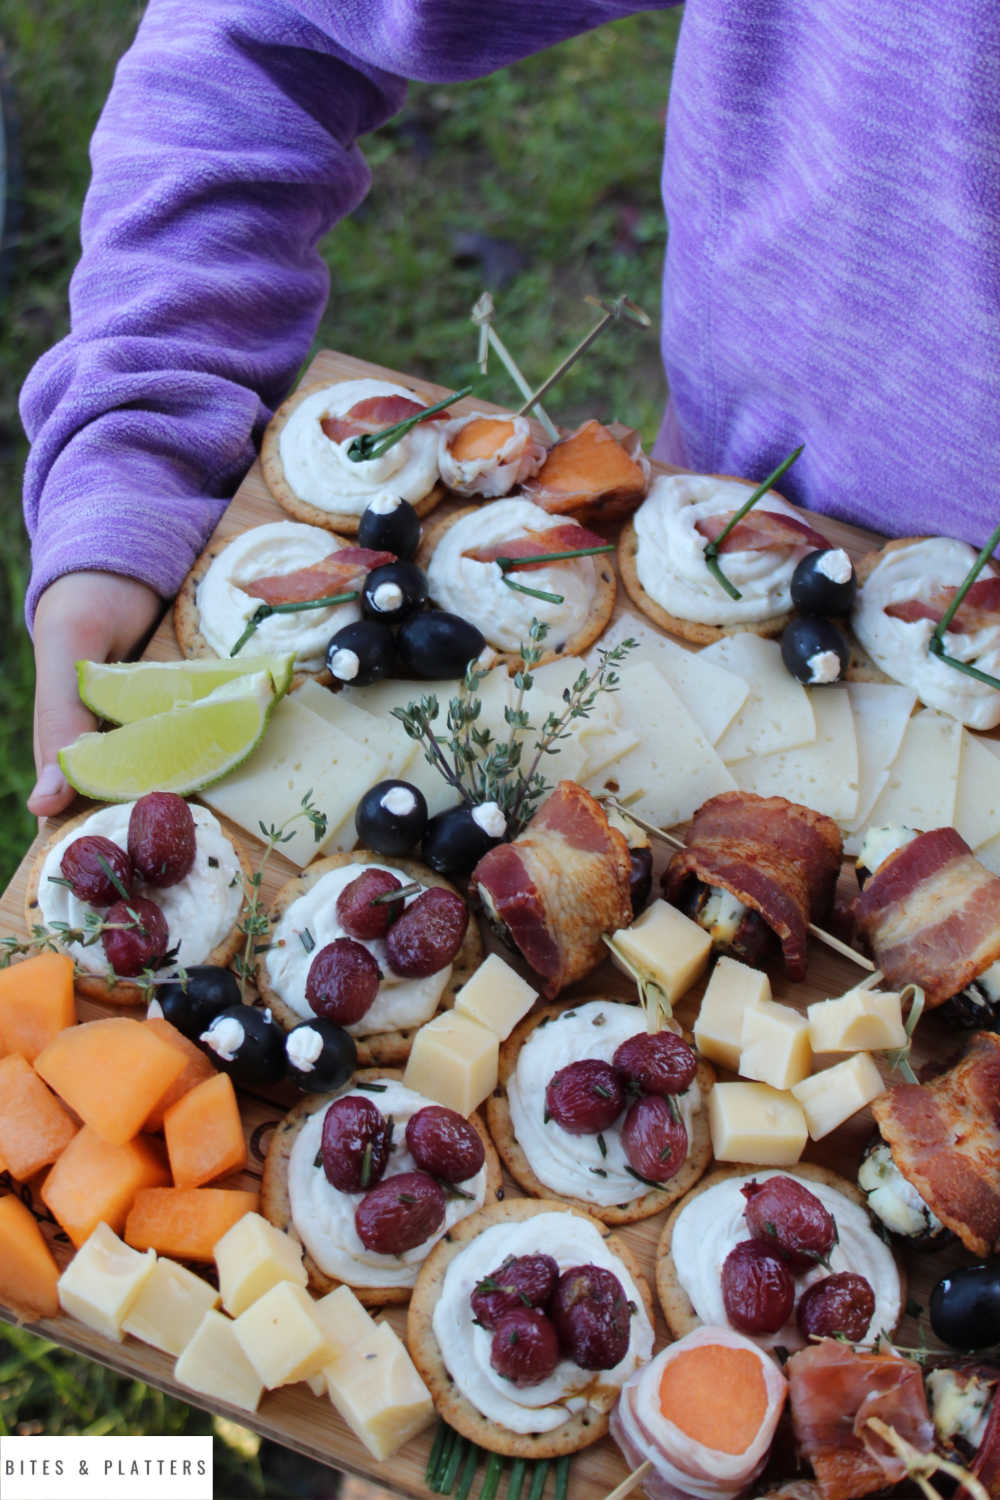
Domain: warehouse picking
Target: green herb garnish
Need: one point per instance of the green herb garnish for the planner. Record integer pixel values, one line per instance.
(373, 444)
(712, 549)
(265, 611)
(936, 643)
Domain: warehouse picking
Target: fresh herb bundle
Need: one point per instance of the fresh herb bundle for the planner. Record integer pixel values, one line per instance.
(453, 1456)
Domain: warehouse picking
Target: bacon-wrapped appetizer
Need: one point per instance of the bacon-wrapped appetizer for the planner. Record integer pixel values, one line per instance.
(966, 1413)
(755, 872)
(479, 454)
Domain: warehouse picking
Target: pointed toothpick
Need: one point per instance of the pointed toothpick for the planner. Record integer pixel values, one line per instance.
(622, 308)
(632, 1482)
(482, 316)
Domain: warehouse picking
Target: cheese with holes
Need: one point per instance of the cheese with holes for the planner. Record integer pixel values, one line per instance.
(859, 1021)
(732, 989)
(881, 711)
(378, 1392)
(666, 947)
(822, 775)
(496, 997)
(453, 1060)
(171, 1303)
(281, 1337)
(344, 1323)
(922, 787)
(774, 1045)
(777, 712)
(252, 1257)
(214, 1365)
(384, 737)
(831, 1096)
(755, 1123)
(977, 799)
(103, 1280)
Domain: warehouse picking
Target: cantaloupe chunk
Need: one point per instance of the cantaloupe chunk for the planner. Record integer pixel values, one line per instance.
(481, 438)
(590, 474)
(185, 1223)
(34, 1127)
(112, 1072)
(198, 1066)
(29, 1276)
(204, 1133)
(36, 1002)
(94, 1181)
(717, 1395)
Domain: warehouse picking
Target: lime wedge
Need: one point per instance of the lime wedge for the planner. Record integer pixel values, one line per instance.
(181, 750)
(126, 691)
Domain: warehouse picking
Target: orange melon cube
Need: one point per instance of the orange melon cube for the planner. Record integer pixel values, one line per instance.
(204, 1133)
(29, 1276)
(34, 1127)
(185, 1223)
(197, 1067)
(94, 1181)
(36, 1003)
(112, 1072)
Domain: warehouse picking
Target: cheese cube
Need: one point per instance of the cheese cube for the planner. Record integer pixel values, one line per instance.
(453, 1061)
(280, 1336)
(831, 1096)
(103, 1280)
(169, 1307)
(665, 946)
(755, 1123)
(732, 989)
(376, 1389)
(345, 1324)
(859, 1021)
(496, 997)
(253, 1256)
(214, 1365)
(774, 1045)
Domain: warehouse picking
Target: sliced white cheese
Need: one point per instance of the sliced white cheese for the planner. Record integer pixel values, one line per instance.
(556, 677)
(923, 780)
(604, 748)
(385, 737)
(712, 694)
(777, 712)
(881, 712)
(822, 775)
(977, 801)
(988, 854)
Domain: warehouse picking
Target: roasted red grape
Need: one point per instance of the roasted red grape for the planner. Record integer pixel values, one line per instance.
(442, 1142)
(757, 1288)
(525, 1346)
(790, 1220)
(81, 866)
(161, 838)
(655, 1143)
(356, 1141)
(839, 1306)
(342, 981)
(359, 914)
(660, 1062)
(428, 934)
(400, 1213)
(522, 1281)
(139, 937)
(592, 1317)
(585, 1096)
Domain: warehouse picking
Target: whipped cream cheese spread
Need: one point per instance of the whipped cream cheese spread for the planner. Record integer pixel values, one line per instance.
(324, 1215)
(277, 548)
(399, 1003)
(574, 1165)
(899, 647)
(200, 909)
(465, 1347)
(713, 1222)
(477, 592)
(670, 558)
(516, 458)
(319, 470)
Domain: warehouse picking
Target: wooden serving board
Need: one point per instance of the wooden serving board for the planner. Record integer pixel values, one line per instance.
(294, 1416)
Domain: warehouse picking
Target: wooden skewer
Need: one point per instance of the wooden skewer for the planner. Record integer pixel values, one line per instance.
(632, 1482)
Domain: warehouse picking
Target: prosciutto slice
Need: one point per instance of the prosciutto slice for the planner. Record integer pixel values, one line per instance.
(372, 414)
(777, 857)
(931, 915)
(336, 574)
(592, 474)
(566, 538)
(979, 609)
(559, 886)
(760, 531)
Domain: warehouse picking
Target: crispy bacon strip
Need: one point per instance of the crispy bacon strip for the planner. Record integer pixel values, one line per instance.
(593, 475)
(777, 857)
(336, 574)
(566, 538)
(372, 414)
(980, 607)
(931, 915)
(760, 531)
(559, 886)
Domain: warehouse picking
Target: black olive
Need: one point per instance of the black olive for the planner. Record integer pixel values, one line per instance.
(333, 1063)
(965, 1307)
(391, 817)
(456, 839)
(193, 1003)
(814, 650)
(814, 592)
(393, 592)
(437, 644)
(393, 527)
(640, 877)
(247, 1044)
(361, 653)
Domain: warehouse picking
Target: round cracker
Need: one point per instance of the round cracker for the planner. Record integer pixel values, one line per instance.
(677, 1307)
(515, 1160)
(580, 1430)
(275, 1202)
(124, 991)
(274, 472)
(386, 1048)
(597, 619)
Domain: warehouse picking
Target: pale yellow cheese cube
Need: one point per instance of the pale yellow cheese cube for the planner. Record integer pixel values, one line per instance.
(755, 1123)
(280, 1336)
(496, 997)
(732, 989)
(859, 1021)
(831, 1096)
(665, 946)
(344, 1324)
(214, 1364)
(169, 1307)
(453, 1061)
(774, 1045)
(103, 1280)
(254, 1256)
(378, 1392)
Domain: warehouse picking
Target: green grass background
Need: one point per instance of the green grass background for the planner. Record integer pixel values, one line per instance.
(558, 158)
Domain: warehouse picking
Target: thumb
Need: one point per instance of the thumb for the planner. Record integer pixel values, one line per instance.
(59, 717)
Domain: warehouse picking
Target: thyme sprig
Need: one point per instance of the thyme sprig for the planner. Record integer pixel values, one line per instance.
(373, 444)
(936, 643)
(265, 611)
(59, 937)
(255, 922)
(713, 547)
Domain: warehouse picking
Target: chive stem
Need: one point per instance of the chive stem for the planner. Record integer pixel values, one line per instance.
(539, 1478)
(454, 1461)
(522, 588)
(435, 1454)
(450, 1440)
(265, 611)
(562, 1477)
(373, 444)
(404, 891)
(491, 1479)
(936, 642)
(712, 549)
(468, 1473)
(518, 1469)
(508, 564)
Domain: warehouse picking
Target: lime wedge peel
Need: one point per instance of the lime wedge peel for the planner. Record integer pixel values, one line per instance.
(123, 692)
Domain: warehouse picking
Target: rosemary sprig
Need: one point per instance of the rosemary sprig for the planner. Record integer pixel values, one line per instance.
(373, 444)
(255, 922)
(712, 549)
(936, 643)
(265, 611)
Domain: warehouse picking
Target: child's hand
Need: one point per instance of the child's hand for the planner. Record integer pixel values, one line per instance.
(100, 616)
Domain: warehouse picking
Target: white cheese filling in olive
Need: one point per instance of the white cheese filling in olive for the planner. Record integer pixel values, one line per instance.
(893, 1199)
(879, 843)
(721, 914)
(835, 565)
(303, 1047)
(824, 666)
